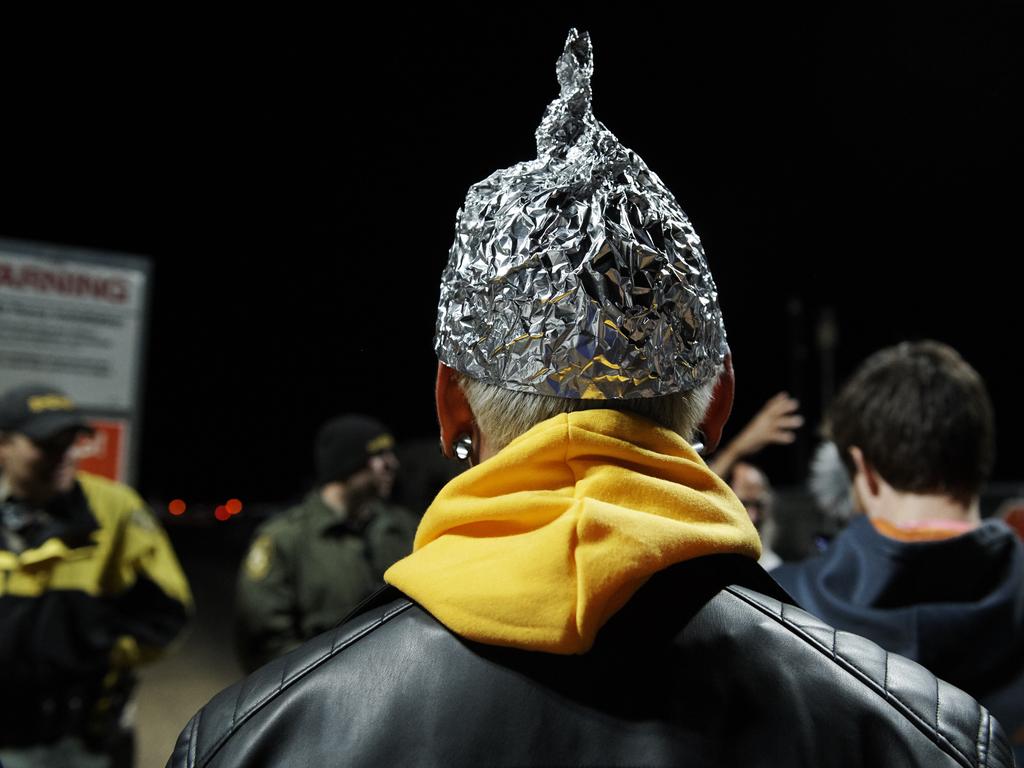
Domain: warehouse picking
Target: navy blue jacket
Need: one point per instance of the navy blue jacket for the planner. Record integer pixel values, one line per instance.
(955, 605)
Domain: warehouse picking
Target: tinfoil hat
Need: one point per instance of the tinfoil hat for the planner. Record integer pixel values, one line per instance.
(578, 274)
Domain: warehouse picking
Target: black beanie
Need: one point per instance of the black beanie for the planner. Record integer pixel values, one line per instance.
(344, 445)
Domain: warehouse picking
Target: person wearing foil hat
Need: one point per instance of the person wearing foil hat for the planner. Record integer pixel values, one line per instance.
(89, 589)
(918, 571)
(587, 593)
(312, 564)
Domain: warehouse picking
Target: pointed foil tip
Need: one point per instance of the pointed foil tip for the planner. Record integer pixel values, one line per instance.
(575, 66)
(569, 117)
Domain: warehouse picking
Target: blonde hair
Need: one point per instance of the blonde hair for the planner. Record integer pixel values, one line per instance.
(503, 414)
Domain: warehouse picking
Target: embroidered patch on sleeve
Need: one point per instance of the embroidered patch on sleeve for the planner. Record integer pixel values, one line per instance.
(258, 561)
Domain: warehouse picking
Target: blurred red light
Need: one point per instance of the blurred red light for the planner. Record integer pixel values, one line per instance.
(234, 506)
(221, 513)
(176, 507)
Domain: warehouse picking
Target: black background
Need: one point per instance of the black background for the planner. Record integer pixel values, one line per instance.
(295, 181)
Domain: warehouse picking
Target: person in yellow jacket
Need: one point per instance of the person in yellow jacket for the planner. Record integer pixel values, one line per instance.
(89, 588)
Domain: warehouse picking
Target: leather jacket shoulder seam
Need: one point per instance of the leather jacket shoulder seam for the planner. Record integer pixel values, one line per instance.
(337, 646)
(934, 734)
(984, 738)
(193, 739)
(982, 756)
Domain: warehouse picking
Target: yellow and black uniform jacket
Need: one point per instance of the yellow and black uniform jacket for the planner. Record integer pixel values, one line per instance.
(88, 591)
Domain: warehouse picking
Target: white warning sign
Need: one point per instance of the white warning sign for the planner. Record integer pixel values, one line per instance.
(71, 323)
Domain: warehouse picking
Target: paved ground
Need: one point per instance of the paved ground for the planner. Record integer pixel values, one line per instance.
(204, 662)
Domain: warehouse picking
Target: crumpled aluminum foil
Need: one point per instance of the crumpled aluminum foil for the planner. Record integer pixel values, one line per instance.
(578, 274)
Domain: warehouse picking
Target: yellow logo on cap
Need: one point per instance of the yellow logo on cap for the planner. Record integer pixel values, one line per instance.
(39, 403)
(380, 443)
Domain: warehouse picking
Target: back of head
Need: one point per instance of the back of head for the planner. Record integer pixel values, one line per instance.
(922, 418)
(577, 281)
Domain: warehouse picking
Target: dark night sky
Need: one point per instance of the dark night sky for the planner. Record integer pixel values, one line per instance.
(295, 183)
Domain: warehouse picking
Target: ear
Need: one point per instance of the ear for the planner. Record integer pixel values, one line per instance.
(453, 411)
(866, 480)
(721, 406)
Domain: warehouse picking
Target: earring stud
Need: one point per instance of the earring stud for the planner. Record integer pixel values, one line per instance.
(462, 447)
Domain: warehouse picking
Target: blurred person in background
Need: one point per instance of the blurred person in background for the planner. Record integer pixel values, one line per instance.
(587, 592)
(309, 566)
(829, 485)
(775, 424)
(919, 572)
(755, 493)
(831, 493)
(89, 588)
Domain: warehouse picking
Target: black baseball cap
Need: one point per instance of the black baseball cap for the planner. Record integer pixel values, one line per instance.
(39, 412)
(346, 443)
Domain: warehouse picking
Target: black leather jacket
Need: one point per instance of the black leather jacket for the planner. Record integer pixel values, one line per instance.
(694, 671)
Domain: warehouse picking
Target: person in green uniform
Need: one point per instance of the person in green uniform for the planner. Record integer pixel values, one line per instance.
(309, 566)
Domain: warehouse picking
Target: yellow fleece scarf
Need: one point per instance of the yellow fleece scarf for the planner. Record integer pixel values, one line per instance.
(541, 544)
